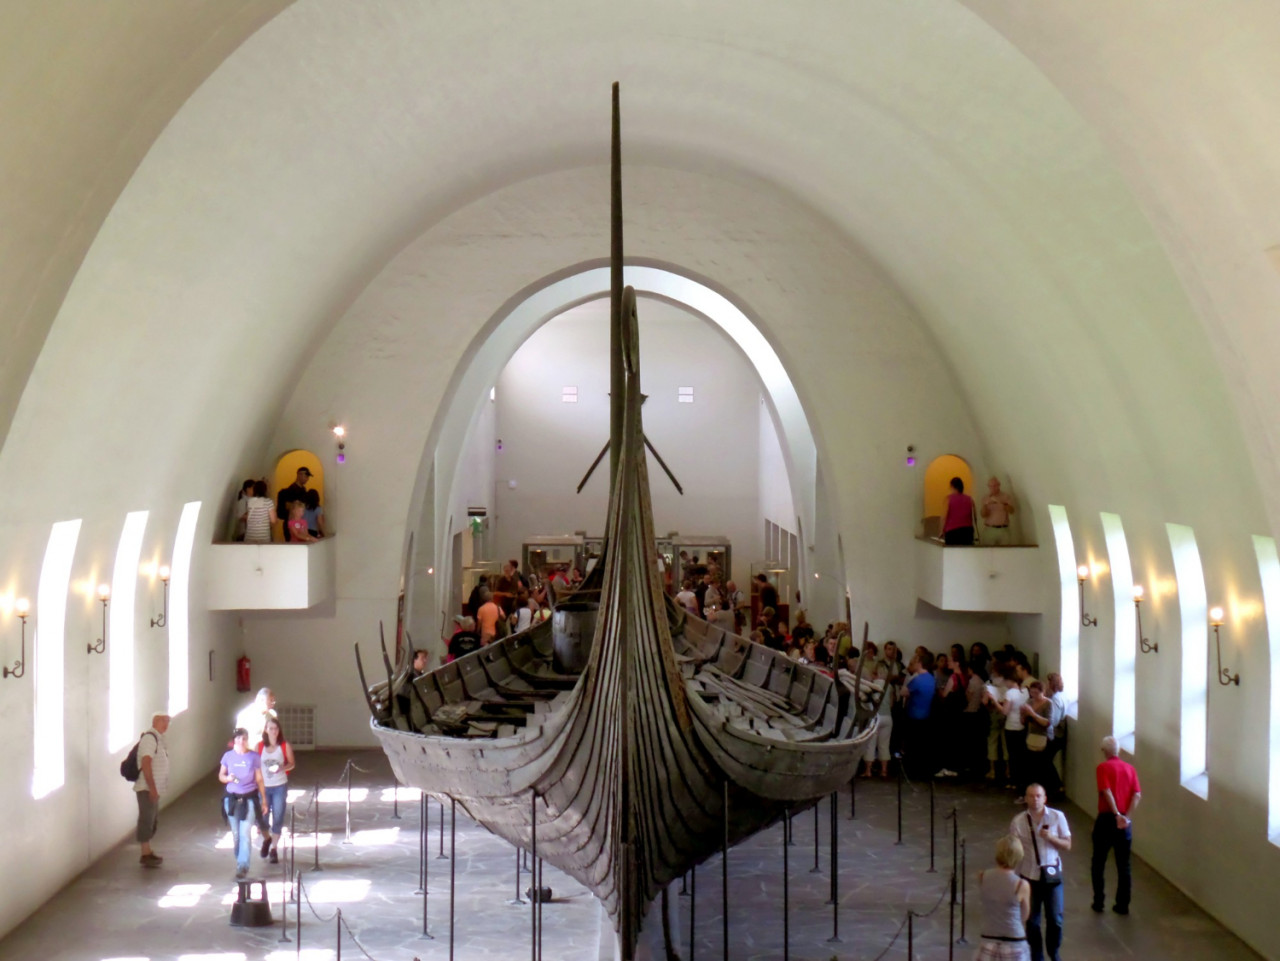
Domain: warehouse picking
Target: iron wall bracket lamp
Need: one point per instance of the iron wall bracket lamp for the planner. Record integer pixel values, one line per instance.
(100, 645)
(1082, 575)
(22, 609)
(1144, 645)
(1225, 677)
(161, 619)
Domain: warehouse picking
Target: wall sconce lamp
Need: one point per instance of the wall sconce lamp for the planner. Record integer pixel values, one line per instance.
(104, 595)
(1082, 575)
(340, 432)
(1225, 677)
(22, 609)
(162, 618)
(1143, 644)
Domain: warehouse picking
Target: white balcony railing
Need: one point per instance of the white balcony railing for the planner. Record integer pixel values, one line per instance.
(270, 577)
(998, 579)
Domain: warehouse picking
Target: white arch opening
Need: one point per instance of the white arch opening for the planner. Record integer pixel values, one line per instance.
(439, 472)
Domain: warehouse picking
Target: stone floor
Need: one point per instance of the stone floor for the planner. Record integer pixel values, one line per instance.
(116, 910)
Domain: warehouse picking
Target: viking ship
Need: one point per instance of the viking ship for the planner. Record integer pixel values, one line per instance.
(623, 740)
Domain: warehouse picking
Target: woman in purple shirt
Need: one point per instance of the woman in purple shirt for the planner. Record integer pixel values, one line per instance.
(241, 772)
(957, 525)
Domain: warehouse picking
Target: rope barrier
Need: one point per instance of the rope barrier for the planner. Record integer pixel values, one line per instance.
(889, 947)
(911, 912)
(302, 887)
(362, 948)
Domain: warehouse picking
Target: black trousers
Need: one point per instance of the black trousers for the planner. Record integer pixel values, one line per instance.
(1108, 837)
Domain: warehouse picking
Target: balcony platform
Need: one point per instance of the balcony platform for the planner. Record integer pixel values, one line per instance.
(270, 577)
(1009, 580)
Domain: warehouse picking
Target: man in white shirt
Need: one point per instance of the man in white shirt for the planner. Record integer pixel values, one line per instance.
(997, 507)
(153, 781)
(254, 717)
(1044, 835)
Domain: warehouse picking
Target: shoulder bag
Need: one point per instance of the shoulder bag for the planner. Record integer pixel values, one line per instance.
(1049, 873)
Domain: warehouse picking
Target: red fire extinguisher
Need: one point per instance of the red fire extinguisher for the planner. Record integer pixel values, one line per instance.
(242, 675)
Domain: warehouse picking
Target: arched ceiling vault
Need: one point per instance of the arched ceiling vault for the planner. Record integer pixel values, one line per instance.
(337, 132)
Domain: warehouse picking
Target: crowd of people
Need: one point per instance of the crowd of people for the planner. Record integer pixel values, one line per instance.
(297, 505)
(965, 714)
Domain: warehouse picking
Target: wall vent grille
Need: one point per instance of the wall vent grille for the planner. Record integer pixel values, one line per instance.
(299, 725)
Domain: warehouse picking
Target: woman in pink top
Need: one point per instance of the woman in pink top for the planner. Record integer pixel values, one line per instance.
(957, 526)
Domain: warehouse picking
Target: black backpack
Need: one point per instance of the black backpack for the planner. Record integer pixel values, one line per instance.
(129, 769)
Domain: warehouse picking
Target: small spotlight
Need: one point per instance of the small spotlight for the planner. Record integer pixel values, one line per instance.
(339, 431)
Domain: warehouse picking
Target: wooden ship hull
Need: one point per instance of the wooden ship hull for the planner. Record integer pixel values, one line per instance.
(624, 740)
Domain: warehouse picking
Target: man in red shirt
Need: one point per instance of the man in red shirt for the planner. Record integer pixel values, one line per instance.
(1118, 795)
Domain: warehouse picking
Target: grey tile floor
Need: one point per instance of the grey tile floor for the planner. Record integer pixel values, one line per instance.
(116, 910)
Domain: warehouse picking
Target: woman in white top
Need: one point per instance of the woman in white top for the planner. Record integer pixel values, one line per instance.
(260, 514)
(277, 762)
(1006, 905)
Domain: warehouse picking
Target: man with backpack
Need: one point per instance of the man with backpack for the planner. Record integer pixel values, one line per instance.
(152, 781)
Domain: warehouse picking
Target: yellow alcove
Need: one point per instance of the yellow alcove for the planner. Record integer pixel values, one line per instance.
(287, 470)
(937, 485)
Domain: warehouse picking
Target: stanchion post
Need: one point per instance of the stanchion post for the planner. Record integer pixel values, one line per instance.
(297, 909)
(911, 936)
(517, 899)
(422, 839)
(899, 841)
(315, 833)
(693, 904)
(347, 839)
(724, 874)
(533, 878)
(815, 869)
(441, 856)
(424, 870)
(395, 798)
(963, 884)
(955, 850)
(853, 797)
(284, 898)
(951, 923)
(835, 871)
(932, 842)
(453, 867)
(786, 894)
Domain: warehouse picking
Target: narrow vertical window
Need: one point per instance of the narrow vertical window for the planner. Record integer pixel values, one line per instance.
(1069, 666)
(1194, 611)
(49, 772)
(1124, 702)
(121, 706)
(180, 607)
(1269, 568)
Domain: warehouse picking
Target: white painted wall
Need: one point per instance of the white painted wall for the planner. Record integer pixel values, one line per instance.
(776, 503)
(710, 445)
(47, 842)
